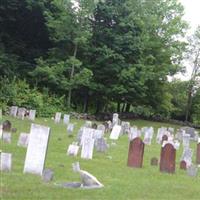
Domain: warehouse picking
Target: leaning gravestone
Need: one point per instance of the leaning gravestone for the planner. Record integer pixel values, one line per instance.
(36, 151)
(6, 137)
(66, 119)
(13, 111)
(57, 117)
(115, 132)
(136, 152)
(21, 113)
(5, 162)
(23, 140)
(31, 115)
(87, 148)
(198, 152)
(168, 158)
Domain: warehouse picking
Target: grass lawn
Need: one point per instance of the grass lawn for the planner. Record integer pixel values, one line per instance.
(121, 182)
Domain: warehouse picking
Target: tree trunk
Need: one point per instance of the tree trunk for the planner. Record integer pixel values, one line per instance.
(118, 107)
(128, 105)
(71, 76)
(85, 105)
(123, 107)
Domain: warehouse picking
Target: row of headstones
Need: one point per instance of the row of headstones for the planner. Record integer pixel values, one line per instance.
(58, 117)
(21, 113)
(167, 157)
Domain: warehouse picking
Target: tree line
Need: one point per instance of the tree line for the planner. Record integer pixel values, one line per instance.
(96, 56)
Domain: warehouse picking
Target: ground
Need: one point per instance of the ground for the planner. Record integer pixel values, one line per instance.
(120, 181)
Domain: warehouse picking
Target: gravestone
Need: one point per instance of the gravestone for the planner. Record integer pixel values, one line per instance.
(125, 127)
(21, 113)
(101, 127)
(36, 151)
(1, 131)
(70, 129)
(101, 145)
(115, 132)
(6, 137)
(86, 133)
(183, 165)
(186, 141)
(23, 140)
(187, 156)
(5, 162)
(161, 131)
(136, 152)
(73, 149)
(192, 170)
(13, 111)
(47, 175)
(31, 115)
(7, 126)
(66, 119)
(133, 133)
(148, 136)
(191, 132)
(198, 153)
(164, 138)
(154, 161)
(168, 158)
(57, 117)
(115, 119)
(87, 148)
(97, 134)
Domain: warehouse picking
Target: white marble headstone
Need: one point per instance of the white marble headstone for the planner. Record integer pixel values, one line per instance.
(115, 132)
(87, 133)
(57, 117)
(72, 150)
(36, 151)
(23, 140)
(21, 113)
(13, 111)
(87, 148)
(6, 137)
(186, 141)
(66, 119)
(32, 114)
(5, 161)
(115, 120)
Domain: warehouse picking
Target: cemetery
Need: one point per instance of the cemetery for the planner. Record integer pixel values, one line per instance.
(100, 100)
(93, 164)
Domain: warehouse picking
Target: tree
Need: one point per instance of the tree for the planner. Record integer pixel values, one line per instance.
(194, 83)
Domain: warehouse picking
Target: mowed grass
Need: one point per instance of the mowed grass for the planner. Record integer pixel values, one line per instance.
(120, 181)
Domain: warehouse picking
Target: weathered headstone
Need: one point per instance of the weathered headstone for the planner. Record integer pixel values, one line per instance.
(198, 152)
(125, 127)
(13, 111)
(133, 133)
(98, 134)
(186, 141)
(192, 170)
(148, 135)
(86, 133)
(5, 162)
(57, 117)
(101, 145)
(87, 148)
(101, 127)
(23, 140)
(21, 113)
(191, 132)
(154, 161)
(183, 165)
(168, 158)
(47, 175)
(136, 152)
(36, 151)
(160, 133)
(115, 132)
(7, 126)
(115, 119)
(6, 137)
(187, 156)
(73, 149)
(66, 119)
(70, 129)
(31, 115)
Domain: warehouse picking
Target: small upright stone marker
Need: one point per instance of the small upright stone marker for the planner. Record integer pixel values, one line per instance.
(23, 140)
(57, 117)
(47, 175)
(66, 119)
(168, 158)
(73, 149)
(87, 148)
(70, 129)
(13, 111)
(21, 113)
(7, 137)
(136, 152)
(5, 162)
(32, 114)
(192, 171)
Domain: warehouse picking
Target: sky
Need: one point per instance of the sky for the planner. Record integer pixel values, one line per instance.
(192, 16)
